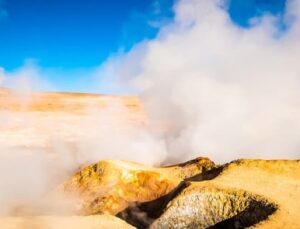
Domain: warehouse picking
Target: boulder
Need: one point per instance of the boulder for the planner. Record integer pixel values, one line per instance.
(110, 186)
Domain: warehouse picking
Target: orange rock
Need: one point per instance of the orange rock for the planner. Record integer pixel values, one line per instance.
(110, 186)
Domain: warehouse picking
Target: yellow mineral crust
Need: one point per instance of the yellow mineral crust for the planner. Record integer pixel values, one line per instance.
(202, 207)
(110, 186)
(33, 120)
(277, 181)
(270, 189)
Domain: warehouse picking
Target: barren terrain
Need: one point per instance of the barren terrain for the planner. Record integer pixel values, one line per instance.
(196, 194)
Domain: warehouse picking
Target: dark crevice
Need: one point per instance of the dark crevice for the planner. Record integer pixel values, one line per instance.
(256, 212)
(207, 174)
(183, 164)
(141, 215)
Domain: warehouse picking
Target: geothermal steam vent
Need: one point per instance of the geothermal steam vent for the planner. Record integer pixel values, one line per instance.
(55, 183)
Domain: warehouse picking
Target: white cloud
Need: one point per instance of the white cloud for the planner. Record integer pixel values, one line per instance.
(226, 92)
(212, 89)
(26, 79)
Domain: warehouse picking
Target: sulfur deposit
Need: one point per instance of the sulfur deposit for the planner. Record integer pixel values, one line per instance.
(110, 186)
(52, 144)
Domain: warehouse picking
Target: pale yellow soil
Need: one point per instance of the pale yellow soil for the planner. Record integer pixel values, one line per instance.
(45, 120)
(34, 120)
(277, 181)
(62, 102)
(40, 120)
(60, 222)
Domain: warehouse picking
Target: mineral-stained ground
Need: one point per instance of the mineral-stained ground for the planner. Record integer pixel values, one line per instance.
(121, 194)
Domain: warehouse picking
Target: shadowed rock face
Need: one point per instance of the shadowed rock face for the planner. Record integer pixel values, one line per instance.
(110, 186)
(198, 207)
(197, 194)
(241, 194)
(255, 212)
(143, 214)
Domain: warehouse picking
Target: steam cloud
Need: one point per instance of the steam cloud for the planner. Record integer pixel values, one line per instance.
(39, 150)
(210, 88)
(226, 92)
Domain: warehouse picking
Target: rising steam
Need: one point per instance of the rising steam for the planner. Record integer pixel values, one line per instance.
(210, 88)
(225, 92)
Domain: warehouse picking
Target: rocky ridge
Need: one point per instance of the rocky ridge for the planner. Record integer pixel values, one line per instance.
(196, 194)
(240, 194)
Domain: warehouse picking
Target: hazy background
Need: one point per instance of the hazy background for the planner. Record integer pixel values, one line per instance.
(221, 79)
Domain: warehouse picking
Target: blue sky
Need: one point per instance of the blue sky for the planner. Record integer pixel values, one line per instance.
(243, 10)
(81, 34)
(69, 33)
